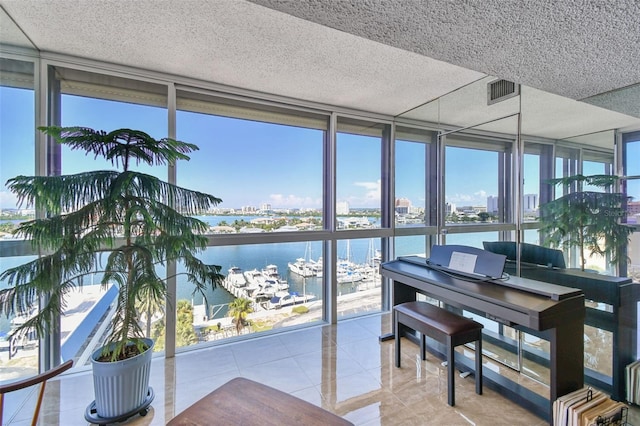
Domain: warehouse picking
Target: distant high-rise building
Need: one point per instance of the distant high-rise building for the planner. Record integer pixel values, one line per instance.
(265, 207)
(342, 207)
(530, 202)
(633, 212)
(450, 208)
(403, 205)
(492, 204)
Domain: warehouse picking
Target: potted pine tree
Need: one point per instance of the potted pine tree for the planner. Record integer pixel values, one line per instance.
(589, 221)
(121, 223)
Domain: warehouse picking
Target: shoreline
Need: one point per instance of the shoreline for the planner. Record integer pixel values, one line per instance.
(350, 303)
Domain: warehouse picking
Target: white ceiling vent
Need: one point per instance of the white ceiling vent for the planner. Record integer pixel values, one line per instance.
(499, 90)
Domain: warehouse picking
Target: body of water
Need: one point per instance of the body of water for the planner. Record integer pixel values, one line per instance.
(248, 257)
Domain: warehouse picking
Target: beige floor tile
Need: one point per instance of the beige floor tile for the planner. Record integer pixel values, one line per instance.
(343, 368)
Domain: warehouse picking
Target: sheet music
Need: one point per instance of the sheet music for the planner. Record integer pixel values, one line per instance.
(463, 262)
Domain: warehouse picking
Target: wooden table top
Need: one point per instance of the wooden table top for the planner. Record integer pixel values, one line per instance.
(245, 402)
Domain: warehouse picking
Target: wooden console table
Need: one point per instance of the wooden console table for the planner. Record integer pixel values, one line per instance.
(244, 402)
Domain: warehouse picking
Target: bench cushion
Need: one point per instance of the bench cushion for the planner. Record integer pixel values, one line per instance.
(437, 318)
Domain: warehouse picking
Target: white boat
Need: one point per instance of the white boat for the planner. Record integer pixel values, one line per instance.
(302, 267)
(348, 271)
(253, 277)
(318, 267)
(270, 276)
(305, 266)
(235, 277)
(270, 272)
(346, 275)
(286, 299)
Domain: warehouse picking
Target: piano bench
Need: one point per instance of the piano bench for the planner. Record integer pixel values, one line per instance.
(444, 326)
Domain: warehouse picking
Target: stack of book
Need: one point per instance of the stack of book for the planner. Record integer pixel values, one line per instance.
(586, 407)
(633, 382)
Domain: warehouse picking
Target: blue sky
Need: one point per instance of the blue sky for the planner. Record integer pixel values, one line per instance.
(250, 163)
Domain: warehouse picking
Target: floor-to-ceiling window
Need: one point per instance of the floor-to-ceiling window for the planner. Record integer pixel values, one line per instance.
(359, 210)
(478, 189)
(17, 157)
(266, 164)
(101, 102)
(415, 203)
(631, 185)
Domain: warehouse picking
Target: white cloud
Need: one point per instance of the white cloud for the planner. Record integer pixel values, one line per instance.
(478, 198)
(460, 198)
(8, 200)
(293, 201)
(371, 197)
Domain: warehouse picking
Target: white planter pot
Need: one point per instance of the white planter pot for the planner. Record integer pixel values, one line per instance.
(121, 387)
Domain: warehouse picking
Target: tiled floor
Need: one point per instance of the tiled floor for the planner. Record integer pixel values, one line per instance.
(342, 368)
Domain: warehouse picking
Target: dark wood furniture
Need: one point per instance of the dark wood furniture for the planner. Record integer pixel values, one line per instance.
(442, 325)
(40, 379)
(552, 312)
(244, 402)
(612, 304)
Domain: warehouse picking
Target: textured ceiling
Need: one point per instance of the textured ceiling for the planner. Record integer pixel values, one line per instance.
(574, 48)
(240, 44)
(405, 58)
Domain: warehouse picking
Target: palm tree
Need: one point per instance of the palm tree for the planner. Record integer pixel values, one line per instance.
(185, 334)
(587, 220)
(120, 222)
(238, 310)
(149, 306)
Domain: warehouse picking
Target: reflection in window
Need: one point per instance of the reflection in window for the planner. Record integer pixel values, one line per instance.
(473, 239)
(598, 350)
(471, 186)
(633, 205)
(357, 274)
(414, 245)
(531, 189)
(532, 236)
(591, 168)
(632, 154)
(566, 164)
(633, 269)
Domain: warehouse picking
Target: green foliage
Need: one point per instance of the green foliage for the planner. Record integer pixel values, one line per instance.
(7, 227)
(120, 222)
(300, 309)
(158, 335)
(185, 334)
(259, 326)
(238, 310)
(587, 220)
(484, 216)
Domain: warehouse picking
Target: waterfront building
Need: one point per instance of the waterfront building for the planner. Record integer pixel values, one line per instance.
(342, 207)
(450, 208)
(530, 203)
(492, 204)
